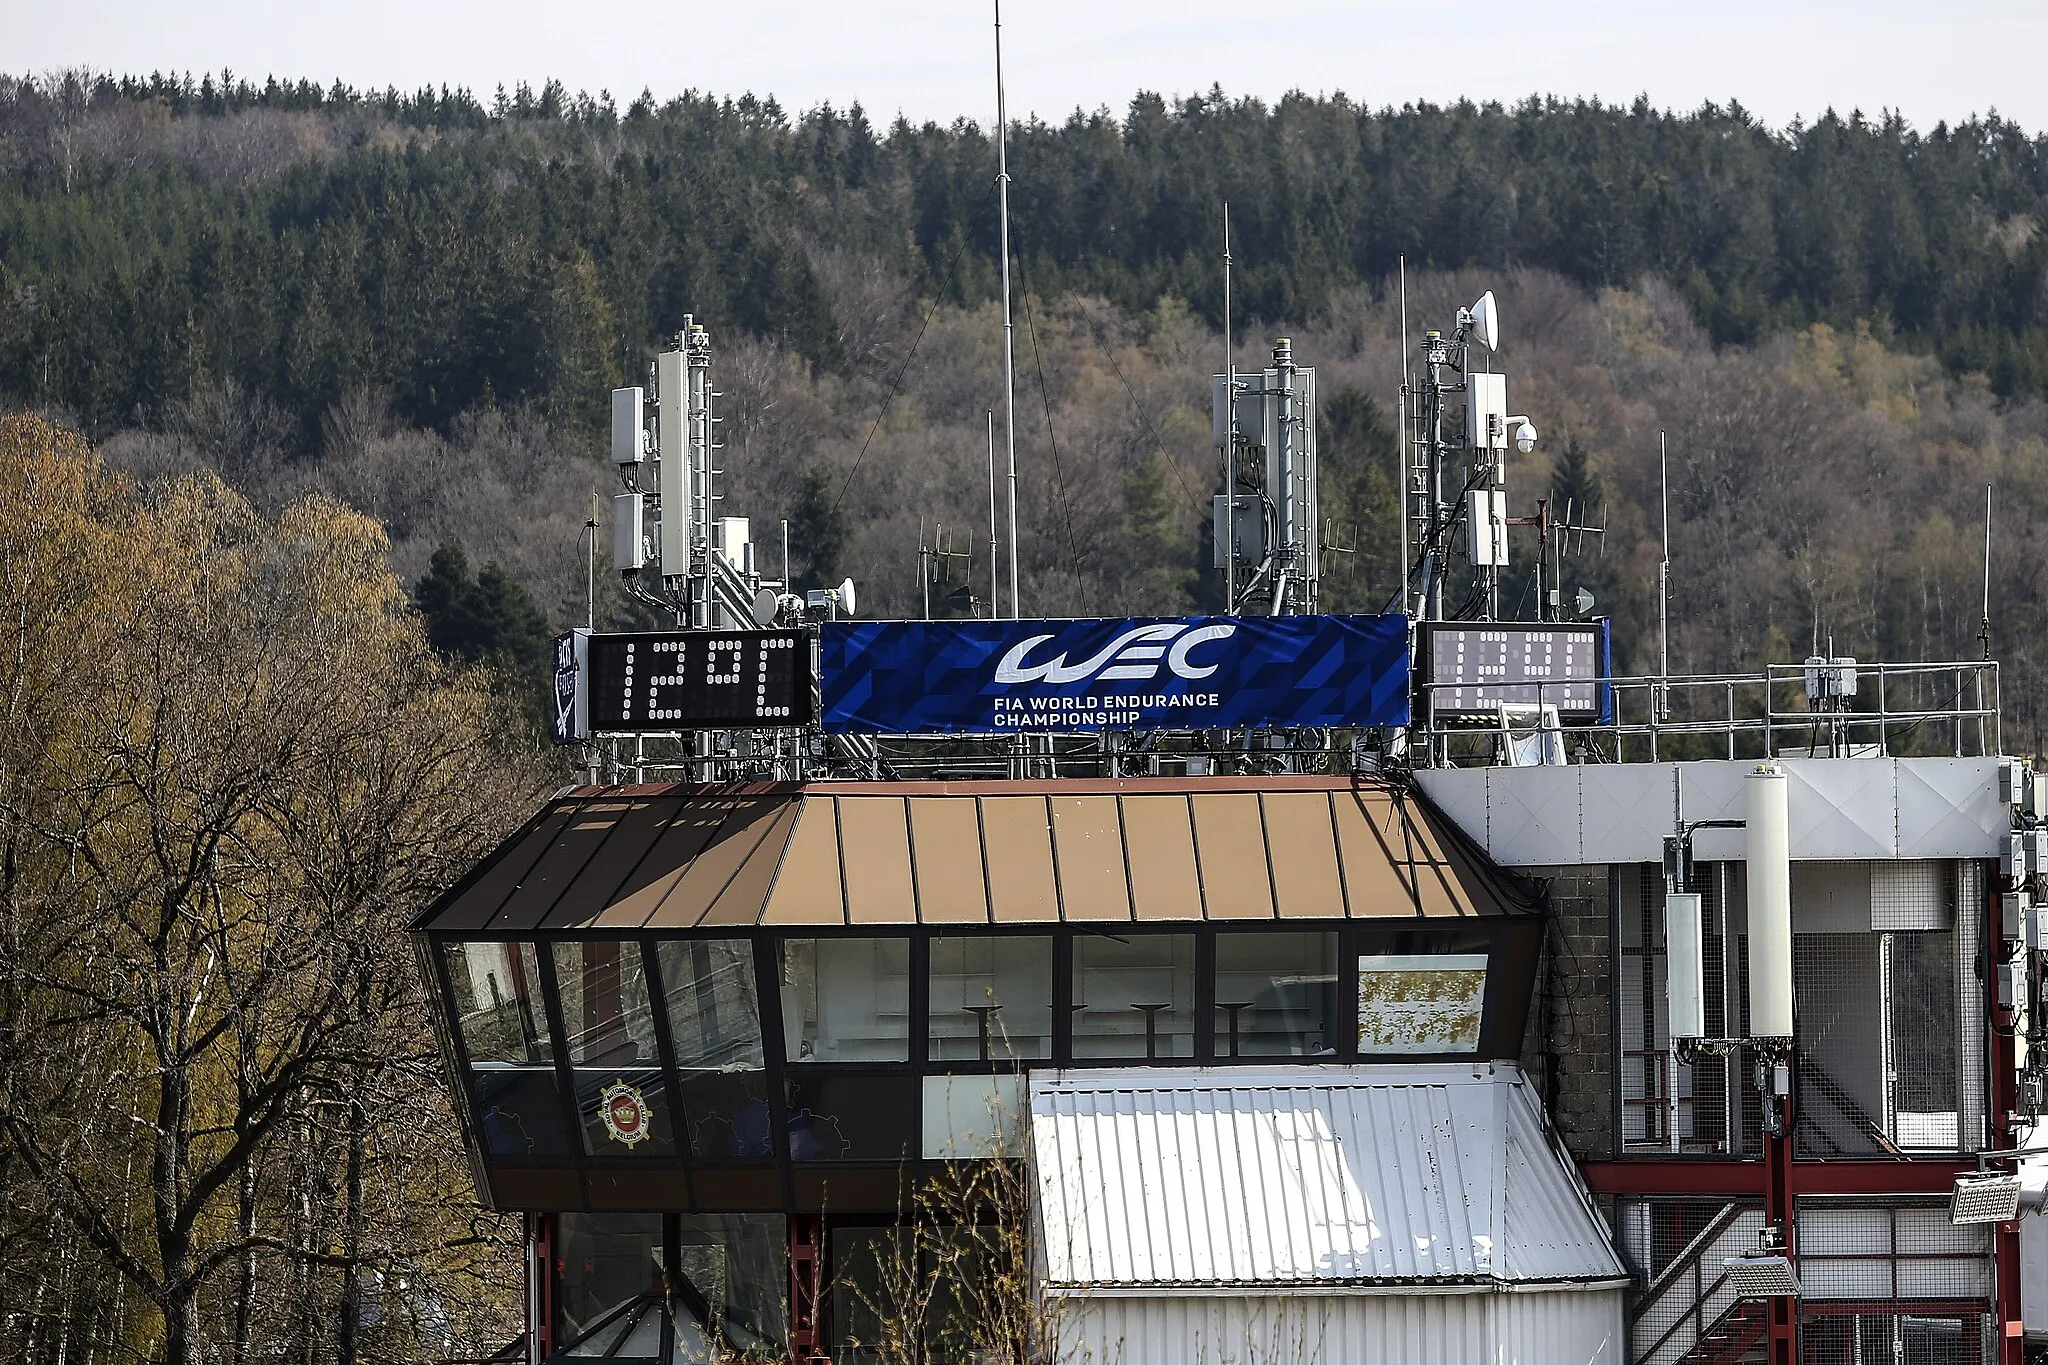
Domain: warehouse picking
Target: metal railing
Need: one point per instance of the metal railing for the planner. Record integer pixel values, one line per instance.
(1948, 709)
(1684, 1303)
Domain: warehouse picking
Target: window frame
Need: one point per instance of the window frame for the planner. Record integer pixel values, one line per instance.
(1511, 944)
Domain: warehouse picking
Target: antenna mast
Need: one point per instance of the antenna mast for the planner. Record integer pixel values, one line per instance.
(1460, 475)
(994, 589)
(1664, 585)
(1230, 432)
(1009, 360)
(1984, 629)
(1404, 451)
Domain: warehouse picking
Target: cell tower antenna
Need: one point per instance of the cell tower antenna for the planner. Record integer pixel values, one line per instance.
(1009, 326)
(1229, 433)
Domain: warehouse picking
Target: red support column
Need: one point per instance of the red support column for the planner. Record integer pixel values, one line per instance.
(806, 1289)
(2006, 1236)
(539, 1273)
(1778, 1200)
(2004, 1133)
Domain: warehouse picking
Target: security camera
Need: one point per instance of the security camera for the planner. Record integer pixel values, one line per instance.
(1525, 436)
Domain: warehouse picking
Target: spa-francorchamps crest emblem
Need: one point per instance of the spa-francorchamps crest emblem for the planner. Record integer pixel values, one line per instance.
(624, 1111)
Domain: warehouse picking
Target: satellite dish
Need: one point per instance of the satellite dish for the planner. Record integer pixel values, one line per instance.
(1584, 602)
(767, 604)
(1486, 321)
(845, 591)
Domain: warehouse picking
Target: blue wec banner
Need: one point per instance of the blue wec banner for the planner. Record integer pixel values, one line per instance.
(1179, 673)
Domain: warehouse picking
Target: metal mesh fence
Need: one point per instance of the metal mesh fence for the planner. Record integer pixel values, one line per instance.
(1892, 1252)
(1893, 1283)
(1896, 1339)
(1881, 1282)
(1889, 1019)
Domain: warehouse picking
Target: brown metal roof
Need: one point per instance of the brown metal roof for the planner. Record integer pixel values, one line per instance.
(865, 854)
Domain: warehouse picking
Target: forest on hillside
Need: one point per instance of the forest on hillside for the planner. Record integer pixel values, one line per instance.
(302, 397)
(415, 302)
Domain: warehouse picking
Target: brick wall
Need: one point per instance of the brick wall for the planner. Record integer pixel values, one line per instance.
(1569, 1052)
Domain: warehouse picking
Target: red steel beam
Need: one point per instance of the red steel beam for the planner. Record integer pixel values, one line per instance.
(1740, 1179)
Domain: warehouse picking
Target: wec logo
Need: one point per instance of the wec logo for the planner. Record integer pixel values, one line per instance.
(1134, 655)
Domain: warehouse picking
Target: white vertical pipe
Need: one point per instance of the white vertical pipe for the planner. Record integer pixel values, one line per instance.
(1770, 904)
(673, 431)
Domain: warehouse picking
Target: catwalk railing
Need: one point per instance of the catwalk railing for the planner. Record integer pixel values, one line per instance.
(1948, 709)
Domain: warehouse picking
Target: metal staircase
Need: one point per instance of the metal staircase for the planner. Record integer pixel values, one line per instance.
(1690, 1314)
(1732, 1336)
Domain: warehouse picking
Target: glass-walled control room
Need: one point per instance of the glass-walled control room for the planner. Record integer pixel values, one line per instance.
(584, 1054)
(709, 1039)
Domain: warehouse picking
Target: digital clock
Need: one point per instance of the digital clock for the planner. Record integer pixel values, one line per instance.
(1472, 670)
(697, 680)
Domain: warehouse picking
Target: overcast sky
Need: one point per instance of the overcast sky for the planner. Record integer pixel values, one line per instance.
(931, 59)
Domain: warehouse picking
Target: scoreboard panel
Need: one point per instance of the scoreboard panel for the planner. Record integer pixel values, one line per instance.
(1475, 668)
(699, 680)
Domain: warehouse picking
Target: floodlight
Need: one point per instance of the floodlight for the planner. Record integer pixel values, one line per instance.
(1486, 321)
(1525, 436)
(1762, 1275)
(1984, 1199)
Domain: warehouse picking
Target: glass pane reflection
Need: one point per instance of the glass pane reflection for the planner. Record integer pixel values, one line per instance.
(497, 1003)
(991, 998)
(609, 1284)
(835, 1117)
(1276, 995)
(519, 1112)
(604, 1004)
(1134, 997)
(846, 999)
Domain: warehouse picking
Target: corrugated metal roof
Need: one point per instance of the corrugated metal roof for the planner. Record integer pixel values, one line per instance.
(855, 854)
(1302, 1176)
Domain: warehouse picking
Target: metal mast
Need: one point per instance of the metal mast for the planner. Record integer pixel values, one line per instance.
(1229, 433)
(1009, 360)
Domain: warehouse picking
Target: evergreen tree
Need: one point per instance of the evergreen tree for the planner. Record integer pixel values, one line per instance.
(1358, 450)
(817, 534)
(489, 620)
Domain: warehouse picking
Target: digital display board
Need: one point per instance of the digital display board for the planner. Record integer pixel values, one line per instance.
(1474, 669)
(698, 680)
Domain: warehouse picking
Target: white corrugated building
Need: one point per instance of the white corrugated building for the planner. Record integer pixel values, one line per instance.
(1417, 1213)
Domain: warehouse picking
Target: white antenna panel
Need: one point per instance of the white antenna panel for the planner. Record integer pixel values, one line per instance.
(1685, 965)
(629, 532)
(733, 538)
(1487, 525)
(629, 426)
(671, 393)
(1251, 408)
(1769, 830)
(1486, 411)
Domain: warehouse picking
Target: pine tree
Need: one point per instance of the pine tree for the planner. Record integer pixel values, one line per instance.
(817, 534)
(488, 620)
